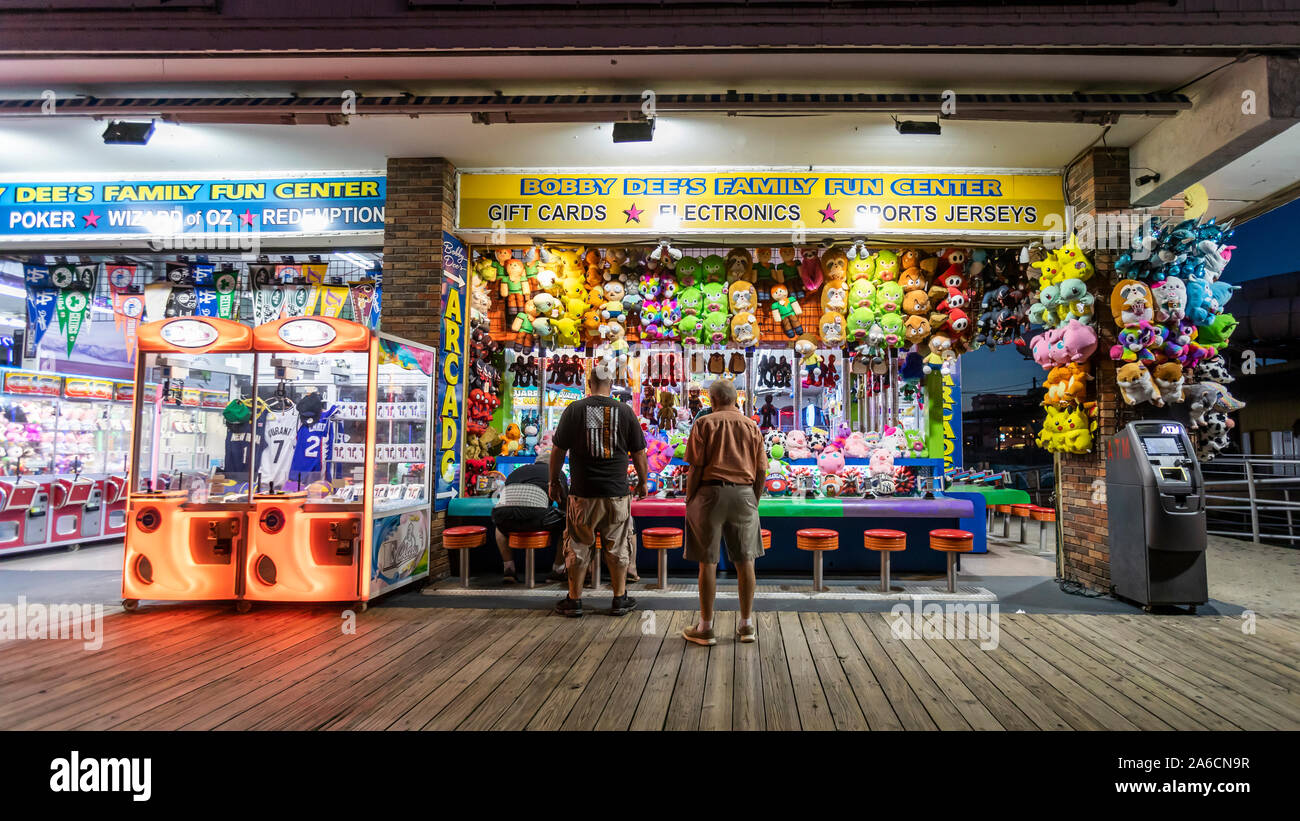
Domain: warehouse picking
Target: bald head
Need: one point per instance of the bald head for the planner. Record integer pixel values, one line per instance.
(722, 394)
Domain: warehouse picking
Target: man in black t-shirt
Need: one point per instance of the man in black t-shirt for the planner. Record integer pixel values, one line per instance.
(602, 434)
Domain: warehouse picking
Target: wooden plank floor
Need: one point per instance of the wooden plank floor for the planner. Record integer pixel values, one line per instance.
(421, 668)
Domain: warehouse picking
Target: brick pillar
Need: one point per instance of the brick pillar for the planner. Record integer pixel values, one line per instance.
(421, 203)
(1098, 187)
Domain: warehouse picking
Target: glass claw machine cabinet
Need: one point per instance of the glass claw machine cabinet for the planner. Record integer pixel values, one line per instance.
(63, 461)
(310, 485)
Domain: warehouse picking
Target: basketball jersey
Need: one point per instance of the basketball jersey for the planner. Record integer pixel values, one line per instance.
(239, 441)
(279, 440)
(315, 445)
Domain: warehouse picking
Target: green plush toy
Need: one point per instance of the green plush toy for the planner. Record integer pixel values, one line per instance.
(860, 321)
(689, 271)
(889, 298)
(715, 297)
(862, 293)
(1217, 332)
(691, 300)
(714, 267)
(717, 326)
(690, 328)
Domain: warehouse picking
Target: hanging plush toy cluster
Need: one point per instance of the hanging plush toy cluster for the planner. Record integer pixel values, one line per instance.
(1172, 324)
(1063, 305)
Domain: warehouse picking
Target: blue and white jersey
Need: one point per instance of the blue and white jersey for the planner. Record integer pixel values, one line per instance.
(315, 445)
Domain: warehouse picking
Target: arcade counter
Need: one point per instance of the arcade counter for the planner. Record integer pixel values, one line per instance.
(784, 516)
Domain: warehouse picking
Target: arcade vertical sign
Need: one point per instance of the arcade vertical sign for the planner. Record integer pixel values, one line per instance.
(451, 369)
(952, 441)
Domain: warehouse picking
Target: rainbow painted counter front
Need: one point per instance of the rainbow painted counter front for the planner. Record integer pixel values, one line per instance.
(849, 517)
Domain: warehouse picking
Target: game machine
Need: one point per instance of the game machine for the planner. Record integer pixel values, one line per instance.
(187, 513)
(309, 484)
(64, 445)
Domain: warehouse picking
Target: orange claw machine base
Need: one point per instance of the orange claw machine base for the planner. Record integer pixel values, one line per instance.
(311, 486)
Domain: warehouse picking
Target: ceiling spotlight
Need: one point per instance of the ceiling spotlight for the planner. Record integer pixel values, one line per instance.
(1148, 178)
(917, 127)
(120, 132)
(642, 132)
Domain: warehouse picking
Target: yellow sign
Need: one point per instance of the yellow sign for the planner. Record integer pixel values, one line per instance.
(759, 201)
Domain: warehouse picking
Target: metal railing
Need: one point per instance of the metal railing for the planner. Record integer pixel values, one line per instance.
(1255, 496)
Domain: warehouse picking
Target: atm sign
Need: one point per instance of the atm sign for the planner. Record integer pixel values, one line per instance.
(1173, 429)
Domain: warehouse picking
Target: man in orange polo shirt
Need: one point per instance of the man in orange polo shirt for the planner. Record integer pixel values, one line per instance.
(728, 468)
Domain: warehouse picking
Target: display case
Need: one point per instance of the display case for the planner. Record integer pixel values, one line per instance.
(63, 461)
(308, 484)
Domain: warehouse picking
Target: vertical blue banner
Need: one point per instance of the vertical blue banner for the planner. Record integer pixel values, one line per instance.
(450, 387)
(952, 441)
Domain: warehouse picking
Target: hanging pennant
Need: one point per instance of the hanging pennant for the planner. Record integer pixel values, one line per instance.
(363, 299)
(182, 302)
(373, 322)
(268, 305)
(227, 283)
(157, 295)
(261, 275)
(179, 273)
(75, 284)
(298, 300)
(205, 302)
(332, 300)
(37, 276)
(315, 272)
(120, 279)
(40, 314)
(288, 274)
(203, 274)
(131, 307)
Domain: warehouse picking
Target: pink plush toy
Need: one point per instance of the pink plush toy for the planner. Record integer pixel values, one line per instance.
(830, 460)
(1072, 342)
(855, 446)
(882, 462)
(810, 270)
(658, 453)
(796, 445)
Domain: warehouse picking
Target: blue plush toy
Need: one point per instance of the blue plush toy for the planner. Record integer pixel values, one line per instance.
(1222, 292)
(1202, 307)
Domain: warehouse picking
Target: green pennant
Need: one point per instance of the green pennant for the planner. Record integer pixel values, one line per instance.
(72, 309)
(226, 283)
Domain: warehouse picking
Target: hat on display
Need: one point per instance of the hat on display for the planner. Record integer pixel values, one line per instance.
(310, 408)
(236, 413)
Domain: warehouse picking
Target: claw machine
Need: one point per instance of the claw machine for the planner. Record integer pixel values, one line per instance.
(309, 486)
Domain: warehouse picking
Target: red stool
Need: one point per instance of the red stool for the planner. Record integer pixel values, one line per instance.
(952, 542)
(464, 539)
(1022, 512)
(1005, 510)
(884, 542)
(662, 539)
(1044, 516)
(767, 540)
(817, 540)
(528, 542)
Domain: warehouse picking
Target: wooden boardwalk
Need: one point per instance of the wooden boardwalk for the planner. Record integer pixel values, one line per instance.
(442, 669)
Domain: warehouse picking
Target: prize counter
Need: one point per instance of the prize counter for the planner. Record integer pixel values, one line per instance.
(850, 517)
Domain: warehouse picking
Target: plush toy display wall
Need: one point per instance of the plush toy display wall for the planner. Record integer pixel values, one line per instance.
(823, 316)
(1172, 326)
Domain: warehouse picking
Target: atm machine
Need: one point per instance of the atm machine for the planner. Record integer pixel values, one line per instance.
(1156, 506)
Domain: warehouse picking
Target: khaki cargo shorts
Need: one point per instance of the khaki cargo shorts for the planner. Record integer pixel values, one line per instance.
(723, 512)
(610, 517)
